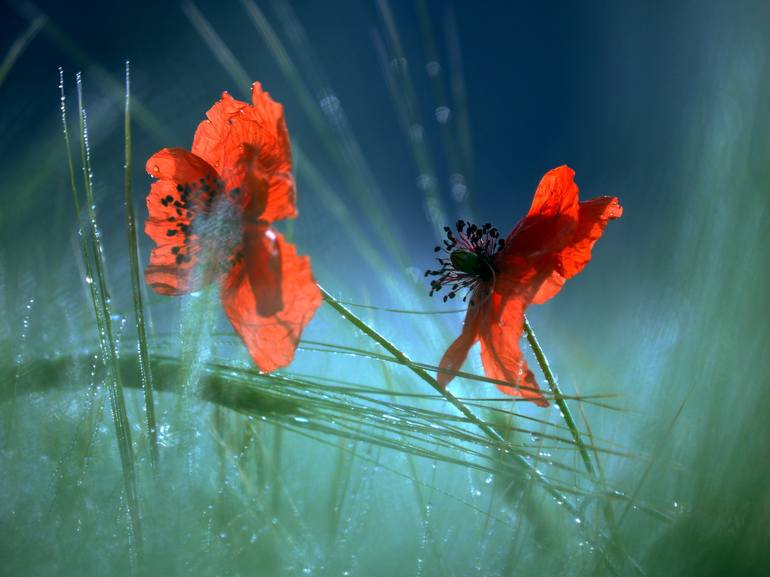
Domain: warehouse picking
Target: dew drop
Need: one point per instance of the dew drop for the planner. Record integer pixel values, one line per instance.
(442, 114)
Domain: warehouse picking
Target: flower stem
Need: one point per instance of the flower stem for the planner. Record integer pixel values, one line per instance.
(557, 395)
(488, 430)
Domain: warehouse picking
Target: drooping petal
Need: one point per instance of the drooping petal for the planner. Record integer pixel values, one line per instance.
(457, 352)
(552, 218)
(172, 206)
(500, 331)
(262, 254)
(271, 338)
(550, 287)
(593, 218)
(266, 196)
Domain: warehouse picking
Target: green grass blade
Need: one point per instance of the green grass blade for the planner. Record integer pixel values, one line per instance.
(108, 347)
(19, 45)
(145, 373)
(557, 396)
(484, 427)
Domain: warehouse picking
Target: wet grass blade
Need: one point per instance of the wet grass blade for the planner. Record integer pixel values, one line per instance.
(484, 427)
(145, 372)
(218, 47)
(557, 396)
(107, 344)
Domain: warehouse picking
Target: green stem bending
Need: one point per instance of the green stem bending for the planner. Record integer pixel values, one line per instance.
(489, 431)
(557, 396)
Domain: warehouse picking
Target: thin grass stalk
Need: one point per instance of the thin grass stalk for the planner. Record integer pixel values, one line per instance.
(557, 396)
(84, 251)
(460, 114)
(421, 504)
(488, 430)
(442, 105)
(395, 68)
(561, 402)
(276, 398)
(275, 468)
(330, 124)
(145, 372)
(99, 74)
(354, 351)
(82, 442)
(342, 476)
(19, 45)
(109, 352)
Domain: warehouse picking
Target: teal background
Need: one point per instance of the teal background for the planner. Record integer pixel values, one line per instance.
(665, 105)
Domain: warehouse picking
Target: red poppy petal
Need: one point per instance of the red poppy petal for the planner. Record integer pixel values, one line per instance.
(249, 145)
(457, 352)
(550, 287)
(262, 254)
(593, 218)
(556, 195)
(170, 280)
(178, 165)
(171, 206)
(209, 139)
(552, 218)
(272, 339)
(500, 331)
(257, 153)
(266, 196)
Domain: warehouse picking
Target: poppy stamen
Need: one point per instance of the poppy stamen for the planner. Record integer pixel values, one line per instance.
(467, 259)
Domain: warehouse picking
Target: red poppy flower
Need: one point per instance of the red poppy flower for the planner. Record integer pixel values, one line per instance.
(210, 214)
(550, 244)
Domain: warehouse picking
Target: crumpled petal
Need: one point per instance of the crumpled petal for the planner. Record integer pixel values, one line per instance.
(250, 145)
(500, 331)
(209, 139)
(172, 206)
(457, 352)
(593, 218)
(271, 339)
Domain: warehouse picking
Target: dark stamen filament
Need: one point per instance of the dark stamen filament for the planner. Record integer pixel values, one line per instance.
(467, 259)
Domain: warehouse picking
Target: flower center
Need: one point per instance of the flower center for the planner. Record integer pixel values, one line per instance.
(467, 259)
